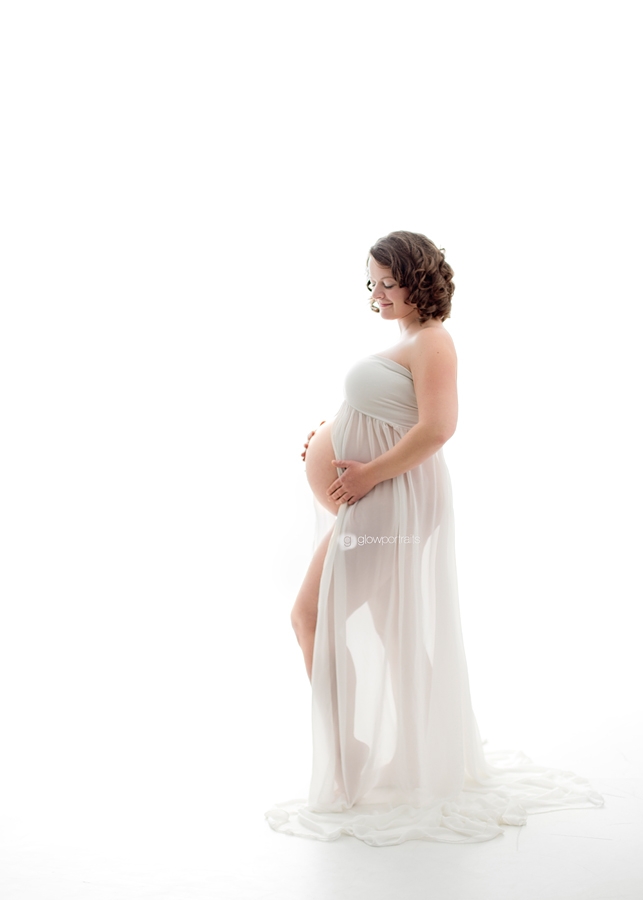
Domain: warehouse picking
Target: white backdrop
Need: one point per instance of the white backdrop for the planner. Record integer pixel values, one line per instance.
(189, 195)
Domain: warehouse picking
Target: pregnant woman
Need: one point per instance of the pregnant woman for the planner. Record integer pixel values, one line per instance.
(396, 750)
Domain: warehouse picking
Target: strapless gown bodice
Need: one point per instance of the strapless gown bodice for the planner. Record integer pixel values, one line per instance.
(382, 388)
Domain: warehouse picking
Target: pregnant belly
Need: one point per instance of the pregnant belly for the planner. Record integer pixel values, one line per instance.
(319, 469)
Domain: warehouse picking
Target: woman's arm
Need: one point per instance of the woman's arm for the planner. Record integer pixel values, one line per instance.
(433, 364)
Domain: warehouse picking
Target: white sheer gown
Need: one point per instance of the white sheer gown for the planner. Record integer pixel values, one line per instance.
(396, 751)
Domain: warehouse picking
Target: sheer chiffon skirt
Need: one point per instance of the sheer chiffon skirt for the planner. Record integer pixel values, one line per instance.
(396, 750)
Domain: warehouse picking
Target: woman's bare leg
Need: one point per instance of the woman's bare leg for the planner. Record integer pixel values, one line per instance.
(304, 612)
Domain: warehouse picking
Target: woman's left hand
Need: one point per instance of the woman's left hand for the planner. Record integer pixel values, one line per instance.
(353, 484)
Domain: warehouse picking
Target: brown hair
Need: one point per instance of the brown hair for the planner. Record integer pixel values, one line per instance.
(418, 264)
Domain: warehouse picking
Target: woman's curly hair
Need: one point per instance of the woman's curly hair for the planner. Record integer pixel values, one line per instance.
(418, 264)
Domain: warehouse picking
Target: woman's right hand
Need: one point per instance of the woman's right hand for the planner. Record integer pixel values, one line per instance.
(303, 455)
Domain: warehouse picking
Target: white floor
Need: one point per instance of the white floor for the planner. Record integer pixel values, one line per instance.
(158, 842)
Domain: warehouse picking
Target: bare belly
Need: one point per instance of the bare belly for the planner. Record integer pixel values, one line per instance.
(319, 469)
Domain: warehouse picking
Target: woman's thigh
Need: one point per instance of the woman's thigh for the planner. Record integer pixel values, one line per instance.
(305, 608)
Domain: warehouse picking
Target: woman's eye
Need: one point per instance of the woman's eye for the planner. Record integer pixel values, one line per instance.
(388, 286)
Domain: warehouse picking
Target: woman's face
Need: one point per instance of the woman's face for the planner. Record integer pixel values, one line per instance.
(386, 291)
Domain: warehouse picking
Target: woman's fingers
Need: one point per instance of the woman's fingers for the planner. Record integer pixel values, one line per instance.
(315, 429)
(303, 454)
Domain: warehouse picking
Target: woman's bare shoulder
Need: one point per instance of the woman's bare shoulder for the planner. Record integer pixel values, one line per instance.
(431, 340)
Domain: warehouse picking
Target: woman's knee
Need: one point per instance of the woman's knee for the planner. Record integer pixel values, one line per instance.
(304, 613)
(303, 618)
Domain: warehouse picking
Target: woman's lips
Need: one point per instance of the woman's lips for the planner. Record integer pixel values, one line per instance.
(386, 304)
